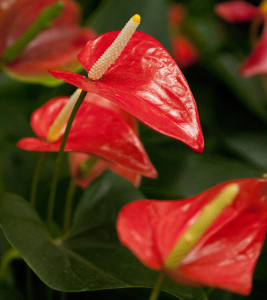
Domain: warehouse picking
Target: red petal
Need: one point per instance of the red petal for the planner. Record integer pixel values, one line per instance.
(226, 254)
(176, 14)
(95, 130)
(146, 82)
(93, 98)
(20, 16)
(56, 47)
(53, 48)
(237, 11)
(75, 158)
(256, 63)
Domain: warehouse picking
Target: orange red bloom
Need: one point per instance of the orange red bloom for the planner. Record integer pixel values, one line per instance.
(223, 256)
(146, 82)
(96, 130)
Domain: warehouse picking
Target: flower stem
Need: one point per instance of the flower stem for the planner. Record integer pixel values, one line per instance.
(2, 185)
(157, 288)
(43, 21)
(254, 31)
(51, 200)
(68, 207)
(29, 283)
(7, 258)
(36, 178)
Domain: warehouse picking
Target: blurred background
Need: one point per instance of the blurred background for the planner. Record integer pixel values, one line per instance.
(232, 110)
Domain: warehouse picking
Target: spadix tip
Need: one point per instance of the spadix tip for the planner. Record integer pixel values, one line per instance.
(136, 18)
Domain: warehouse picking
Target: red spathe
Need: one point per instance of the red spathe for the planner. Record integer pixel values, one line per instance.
(95, 130)
(146, 82)
(226, 254)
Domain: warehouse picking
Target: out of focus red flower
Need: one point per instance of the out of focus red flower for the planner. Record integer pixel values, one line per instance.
(184, 52)
(146, 82)
(78, 161)
(224, 254)
(96, 130)
(242, 11)
(55, 47)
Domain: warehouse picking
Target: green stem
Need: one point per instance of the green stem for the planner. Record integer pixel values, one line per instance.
(2, 185)
(49, 293)
(7, 258)
(36, 178)
(157, 288)
(51, 200)
(43, 21)
(29, 283)
(69, 205)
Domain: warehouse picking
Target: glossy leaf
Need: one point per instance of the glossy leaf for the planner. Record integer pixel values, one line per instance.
(226, 254)
(95, 130)
(146, 82)
(91, 256)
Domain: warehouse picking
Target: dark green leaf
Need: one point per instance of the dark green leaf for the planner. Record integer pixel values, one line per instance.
(91, 257)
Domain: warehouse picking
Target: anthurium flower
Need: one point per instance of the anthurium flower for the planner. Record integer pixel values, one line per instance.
(96, 130)
(55, 47)
(185, 53)
(211, 239)
(84, 174)
(242, 11)
(146, 82)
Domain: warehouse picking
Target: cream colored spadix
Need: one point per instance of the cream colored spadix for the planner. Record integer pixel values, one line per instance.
(113, 52)
(62, 118)
(196, 231)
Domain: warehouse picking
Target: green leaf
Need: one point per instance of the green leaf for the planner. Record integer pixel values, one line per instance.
(113, 15)
(91, 257)
(250, 145)
(48, 80)
(205, 171)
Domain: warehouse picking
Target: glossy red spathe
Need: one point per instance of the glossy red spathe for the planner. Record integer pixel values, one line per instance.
(226, 254)
(55, 47)
(95, 130)
(75, 158)
(146, 82)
